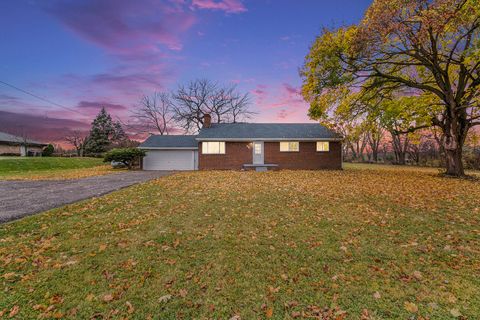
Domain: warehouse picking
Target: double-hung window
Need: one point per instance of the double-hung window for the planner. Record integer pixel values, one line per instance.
(323, 146)
(213, 147)
(289, 146)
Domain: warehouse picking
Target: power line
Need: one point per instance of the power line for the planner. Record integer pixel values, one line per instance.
(39, 97)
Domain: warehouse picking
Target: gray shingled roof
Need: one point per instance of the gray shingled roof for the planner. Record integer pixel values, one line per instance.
(11, 139)
(270, 131)
(157, 141)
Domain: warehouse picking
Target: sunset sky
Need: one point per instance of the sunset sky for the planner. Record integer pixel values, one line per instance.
(86, 54)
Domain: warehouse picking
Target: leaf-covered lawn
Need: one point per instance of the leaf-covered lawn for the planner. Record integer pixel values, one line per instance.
(51, 168)
(353, 244)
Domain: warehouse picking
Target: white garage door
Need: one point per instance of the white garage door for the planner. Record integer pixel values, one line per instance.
(169, 160)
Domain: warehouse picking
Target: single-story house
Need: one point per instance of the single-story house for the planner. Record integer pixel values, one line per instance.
(18, 146)
(236, 146)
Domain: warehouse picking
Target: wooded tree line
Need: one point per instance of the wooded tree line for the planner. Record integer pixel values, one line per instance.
(407, 66)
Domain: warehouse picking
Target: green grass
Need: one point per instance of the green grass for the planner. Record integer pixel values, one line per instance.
(43, 167)
(279, 245)
(8, 164)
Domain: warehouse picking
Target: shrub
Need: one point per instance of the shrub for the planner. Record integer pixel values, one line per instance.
(127, 156)
(48, 151)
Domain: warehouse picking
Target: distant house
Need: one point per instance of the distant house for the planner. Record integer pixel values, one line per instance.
(19, 146)
(249, 146)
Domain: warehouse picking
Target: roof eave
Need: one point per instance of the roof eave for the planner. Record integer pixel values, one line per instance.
(269, 139)
(167, 148)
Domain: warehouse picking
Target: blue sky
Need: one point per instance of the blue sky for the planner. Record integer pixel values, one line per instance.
(90, 53)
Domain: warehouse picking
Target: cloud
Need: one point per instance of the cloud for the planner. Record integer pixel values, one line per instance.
(42, 128)
(98, 105)
(124, 25)
(229, 6)
(93, 107)
(141, 38)
(282, 103)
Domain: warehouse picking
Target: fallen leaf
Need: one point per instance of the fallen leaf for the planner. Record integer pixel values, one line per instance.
(14, 311)
(417, 275)
(452, 299)
(165, 298)
(102, 247)
(183, 293)
(269, 312)
(455, 312)
(235, 318)
(410, 307)
(90, 297)
(377, 295)
(107, 297)
(9, 275)
(433, 305)
(130, 307)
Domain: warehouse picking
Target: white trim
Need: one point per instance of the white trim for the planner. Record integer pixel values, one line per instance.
(269, 139)
(168, 148)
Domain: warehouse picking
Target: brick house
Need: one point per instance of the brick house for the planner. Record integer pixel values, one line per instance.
(19, 146)
(249, 146)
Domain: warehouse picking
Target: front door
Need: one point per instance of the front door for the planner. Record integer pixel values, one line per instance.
(258, 152)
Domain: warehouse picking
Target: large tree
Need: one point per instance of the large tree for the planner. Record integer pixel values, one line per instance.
(78, 140)
(417, 47)
(154, 114)
(199, 97)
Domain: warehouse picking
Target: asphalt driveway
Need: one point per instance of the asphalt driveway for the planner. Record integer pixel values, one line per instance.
(22, 198)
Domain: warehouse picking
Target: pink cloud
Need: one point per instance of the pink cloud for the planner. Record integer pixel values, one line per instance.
(99, 105)
(42, 128)
(283, 103)
(229, 6)
(123, 25)
(138, 36)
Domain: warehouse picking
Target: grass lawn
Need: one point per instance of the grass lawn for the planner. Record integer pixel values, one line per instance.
(34, 168)
(353, 244)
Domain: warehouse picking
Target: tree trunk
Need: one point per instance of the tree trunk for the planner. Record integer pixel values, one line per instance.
(453, 147)
(455, 130)
(454, 162)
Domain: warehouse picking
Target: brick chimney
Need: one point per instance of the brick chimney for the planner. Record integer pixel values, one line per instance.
(207, 120)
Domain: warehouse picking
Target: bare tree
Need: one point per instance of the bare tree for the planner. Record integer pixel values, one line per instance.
(153, 114)
(199, 97)
(78, 140)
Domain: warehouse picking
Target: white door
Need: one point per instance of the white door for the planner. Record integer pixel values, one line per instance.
(258, 152)
(169, 160)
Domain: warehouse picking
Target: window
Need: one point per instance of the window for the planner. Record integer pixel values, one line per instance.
(216, 147)
(323, 146)
(258, 148)
(289, 146)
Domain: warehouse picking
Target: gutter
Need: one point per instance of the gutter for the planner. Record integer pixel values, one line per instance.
(269, 139)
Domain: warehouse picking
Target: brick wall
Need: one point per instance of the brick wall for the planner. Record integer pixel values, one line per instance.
(236, 155)
(239, 153)
(306, 158)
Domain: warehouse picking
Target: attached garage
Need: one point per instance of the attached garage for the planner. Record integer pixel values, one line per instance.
(170, 153)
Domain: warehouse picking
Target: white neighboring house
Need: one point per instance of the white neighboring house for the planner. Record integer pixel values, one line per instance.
(13, 145)
(170, 152)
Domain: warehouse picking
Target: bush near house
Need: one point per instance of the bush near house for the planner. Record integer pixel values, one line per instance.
(127, 156)
(48, 151)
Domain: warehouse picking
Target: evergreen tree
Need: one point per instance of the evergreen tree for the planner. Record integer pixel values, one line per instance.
(48, 150)
(101, 133)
